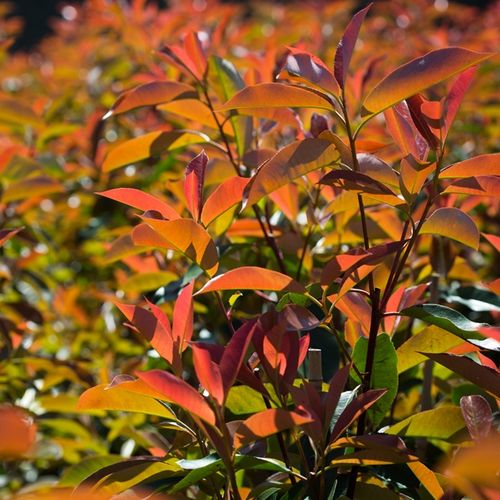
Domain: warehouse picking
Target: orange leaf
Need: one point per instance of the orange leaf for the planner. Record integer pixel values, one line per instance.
(190, 238)
(179, 392)
(193, 184)
(291, 162)
(252, 278)
(275, 95)
(33, 186)
(150, 94)
(419, 74)
(225, 196)
(141, 200)
(485, 185)
(208, 372)
(479, 165)
(454, 224)
(267, 423)
(17, 432)
(150, 145)
(182, 324)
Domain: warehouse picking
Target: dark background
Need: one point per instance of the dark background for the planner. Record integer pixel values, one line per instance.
(37, 15)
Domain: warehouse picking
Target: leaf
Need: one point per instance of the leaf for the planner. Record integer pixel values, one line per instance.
(477, 166)
(346, 45)
(138, 399)
(153, 327)
(193, 184)
(304, 68)
(208, 373)
(189, 238)
(384, 373)
(14, 112)
(226, 195)
(287, 164)
(150, 145)
(355, 181)
(275, 95)
(7, 234)
(42, 185)
(446, 318)
(427, 478)
(354, 410)
(234, 354)
(17, 433)
(151, 94)
(200, 469)
(454, 224)
(80, 471)
(482, 376)
(419, 74)
(243, 400)
(477, 415)
(334, 393)
(267, 423)
(485, 185)
(252, 278)
(430, 339)
(440, 423)
(373, 457)
(179, 392)
(182, 324)
(148, 281)
(143, 201)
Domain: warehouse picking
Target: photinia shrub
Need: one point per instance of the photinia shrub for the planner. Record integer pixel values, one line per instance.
(310, 264)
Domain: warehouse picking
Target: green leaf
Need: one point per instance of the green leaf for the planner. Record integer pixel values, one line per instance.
(431, 339)
(77, 473)
(200, 469)
(440, 423)
(242, 400)
(446, 318)
(384, 374)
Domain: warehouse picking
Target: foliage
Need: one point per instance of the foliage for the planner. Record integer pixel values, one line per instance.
(244, 193)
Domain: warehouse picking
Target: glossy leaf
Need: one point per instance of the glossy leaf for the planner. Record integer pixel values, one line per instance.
(252, 278)
(275, 95)
(477, 166)
(143, 201)
(304, 68)
(151, 94)
(150, 145)
(292, 161)
(346, 45)
(189, 238)
(477, 415)
(419, 74)
(454, 224)
(267, 423)
(178, 392)
(384, 374)
(226, 195)
(440, 423)
(118, 397)
(446, 318)
(193, 184)
(482, 376)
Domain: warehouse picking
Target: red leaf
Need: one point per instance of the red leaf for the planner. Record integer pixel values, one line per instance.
(151, 94)
(208, 373)
(267, 423)
(141, 200)
(225, 196)
(7, 234)
(179, 392)
(193, 184)
(354, 409)
(356, 181)
(477, 415)
(346, 45)
(332, 398)
(182, 324)
(252, 278)
(482, 376)
(234, 354)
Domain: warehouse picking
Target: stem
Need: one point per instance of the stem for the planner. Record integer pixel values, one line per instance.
(224, 312)
(269, 238)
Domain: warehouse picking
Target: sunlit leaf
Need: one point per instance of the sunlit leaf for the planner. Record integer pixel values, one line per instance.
(150, 145)
(252, 278)
(485, 185)
(189, 238)
(179, 392)
(477, 166)
(427, 478)
(193, 184)
(419, 74)
(454, 224)
(150, 94)
(141, 200)
(291, 162)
